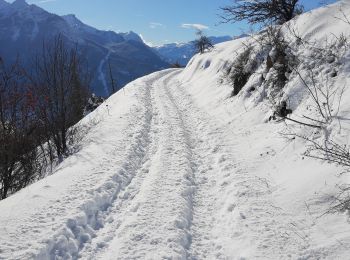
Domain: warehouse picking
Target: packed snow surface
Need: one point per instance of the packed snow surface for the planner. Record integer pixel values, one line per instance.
(173, 167)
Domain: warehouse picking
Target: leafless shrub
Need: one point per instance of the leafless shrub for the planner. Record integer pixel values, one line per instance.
(326, 99)
(202, 43)
(341, 201)
(261, 11)
(38, 113)
(331, 50)
(343, 17)
(61, 94)
(19, 162)
(279, 60)
(238, 72)
(273, 52)
(329, 151)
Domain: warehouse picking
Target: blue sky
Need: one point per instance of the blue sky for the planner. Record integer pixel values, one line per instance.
(158, 21)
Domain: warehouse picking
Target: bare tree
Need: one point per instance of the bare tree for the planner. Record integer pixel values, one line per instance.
(38, 113)
(61, 92)
(19, 163)
(202, 43)
(261, 11)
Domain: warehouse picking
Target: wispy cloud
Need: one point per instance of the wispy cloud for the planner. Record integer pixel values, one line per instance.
(45, 1)
(196, 26)
(154, 25)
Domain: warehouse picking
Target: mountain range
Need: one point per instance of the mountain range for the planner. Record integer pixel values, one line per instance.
(182, 52)
(24, 28)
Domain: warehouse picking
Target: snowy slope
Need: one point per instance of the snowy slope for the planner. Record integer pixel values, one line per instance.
(175, 168)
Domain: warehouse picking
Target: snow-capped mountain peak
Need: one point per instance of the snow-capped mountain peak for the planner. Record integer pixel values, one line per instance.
(71, 18)
(76, 24)
(132, 36)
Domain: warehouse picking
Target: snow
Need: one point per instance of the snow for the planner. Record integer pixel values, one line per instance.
(77, 25)
(131, 36)
(101, 74)
(172, 167)
(182, 52)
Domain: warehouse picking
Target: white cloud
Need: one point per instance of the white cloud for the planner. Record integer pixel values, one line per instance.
(46, 1)
(196, 26)
(154, 25)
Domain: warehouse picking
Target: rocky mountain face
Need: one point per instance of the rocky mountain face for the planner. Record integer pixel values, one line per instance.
(24, 28)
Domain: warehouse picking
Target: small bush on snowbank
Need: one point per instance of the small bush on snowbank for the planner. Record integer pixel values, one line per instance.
(272, 58)
(279, 61)
(240, 70)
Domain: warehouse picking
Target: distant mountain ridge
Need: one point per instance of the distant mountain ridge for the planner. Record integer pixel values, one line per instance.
(3, 4)
(183, 52)
(24, 28)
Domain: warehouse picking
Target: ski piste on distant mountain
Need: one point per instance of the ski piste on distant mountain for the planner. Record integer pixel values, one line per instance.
(183, 52)
(24, 27)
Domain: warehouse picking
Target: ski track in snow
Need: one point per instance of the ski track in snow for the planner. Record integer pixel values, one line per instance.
(166, 194)
(153, 216)
(216, 163)
(222, 172)
(97, 212)
(174, 208)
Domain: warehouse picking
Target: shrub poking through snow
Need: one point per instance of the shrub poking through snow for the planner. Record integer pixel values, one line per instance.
(341, 201)
(240, 70)
(93, 103)
(281, 111)
(279, 61)
(272, 58)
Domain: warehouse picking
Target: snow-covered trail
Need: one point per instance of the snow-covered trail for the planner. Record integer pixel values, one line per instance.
(152, 217)
(159, 177)
(174, 167)
(176, 206)
(154, 187)
(221, 171)
(59, 215)
(158, 218)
